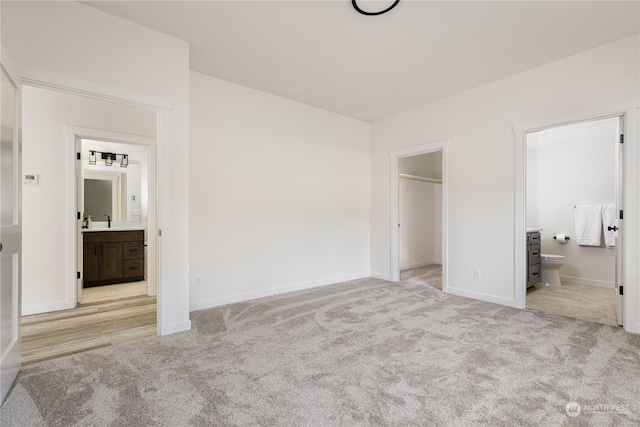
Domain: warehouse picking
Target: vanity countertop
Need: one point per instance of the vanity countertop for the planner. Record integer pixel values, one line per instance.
(117, 228)
(533, 230)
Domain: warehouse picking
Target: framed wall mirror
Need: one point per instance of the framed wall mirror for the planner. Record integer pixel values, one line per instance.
(113, 193)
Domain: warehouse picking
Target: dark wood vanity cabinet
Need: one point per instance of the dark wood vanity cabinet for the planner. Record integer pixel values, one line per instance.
(111, 257)
(533, 258)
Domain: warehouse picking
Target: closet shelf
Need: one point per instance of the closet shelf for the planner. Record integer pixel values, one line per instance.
(420, 178)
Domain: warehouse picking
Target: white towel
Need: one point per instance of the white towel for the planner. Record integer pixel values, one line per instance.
(609, 220)
(588, 224)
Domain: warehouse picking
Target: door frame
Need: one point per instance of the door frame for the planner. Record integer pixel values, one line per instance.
(162, 106)
(395, 156)
(74, 135)
(629, 111)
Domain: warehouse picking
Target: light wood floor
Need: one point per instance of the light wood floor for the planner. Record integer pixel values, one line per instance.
(112, 292)
(579, 301)
(86, 327)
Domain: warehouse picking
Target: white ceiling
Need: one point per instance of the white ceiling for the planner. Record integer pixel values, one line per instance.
(325, 54)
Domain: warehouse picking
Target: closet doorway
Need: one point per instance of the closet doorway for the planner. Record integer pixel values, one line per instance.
(418, 229)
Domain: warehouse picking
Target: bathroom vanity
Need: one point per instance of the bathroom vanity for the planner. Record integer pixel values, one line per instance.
(533, 257)
(112, 256)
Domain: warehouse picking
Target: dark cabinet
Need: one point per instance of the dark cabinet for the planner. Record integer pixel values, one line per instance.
(91, 262)
(111, 257)
(533, 258)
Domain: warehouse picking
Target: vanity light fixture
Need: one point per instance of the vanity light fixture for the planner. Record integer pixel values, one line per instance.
(108, 158)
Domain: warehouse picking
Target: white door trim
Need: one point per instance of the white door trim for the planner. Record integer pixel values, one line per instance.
(45, 79)
(629, 111)
(162, 106)
(394, 156)
(104, 135)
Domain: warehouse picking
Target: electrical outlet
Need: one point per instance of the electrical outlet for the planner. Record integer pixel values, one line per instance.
(477, 273)
(198, 281)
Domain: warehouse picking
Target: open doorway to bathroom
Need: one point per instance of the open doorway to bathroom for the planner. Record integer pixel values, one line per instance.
(573, 189)
(113, 198)
(56, 318)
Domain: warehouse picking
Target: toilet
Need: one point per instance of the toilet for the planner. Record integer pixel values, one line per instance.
(549, 266)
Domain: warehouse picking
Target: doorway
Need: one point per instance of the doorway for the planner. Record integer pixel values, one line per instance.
(115, 199)
(572, 197)
(419, 211)
(52, 218)
(629, 251)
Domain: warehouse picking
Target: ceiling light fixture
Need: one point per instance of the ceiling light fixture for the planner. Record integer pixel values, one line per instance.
(355, 6)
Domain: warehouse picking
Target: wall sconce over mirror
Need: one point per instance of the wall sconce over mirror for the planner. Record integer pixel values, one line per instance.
(108, 158)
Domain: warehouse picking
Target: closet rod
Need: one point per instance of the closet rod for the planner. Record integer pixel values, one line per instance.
(419, 178)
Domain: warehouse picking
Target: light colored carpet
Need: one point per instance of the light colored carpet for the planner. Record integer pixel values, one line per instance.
(366, 352)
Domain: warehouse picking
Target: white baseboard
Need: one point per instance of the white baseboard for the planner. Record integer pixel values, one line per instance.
(216, 302)
(381, 276)
(417, 265)
(174, 328)
(28, 310)
(482, 297)
(590, 282)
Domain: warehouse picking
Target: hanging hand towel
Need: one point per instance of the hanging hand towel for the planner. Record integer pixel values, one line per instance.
(588, 224)
(609, 220)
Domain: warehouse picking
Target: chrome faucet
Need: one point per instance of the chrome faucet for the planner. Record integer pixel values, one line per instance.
(108, 220)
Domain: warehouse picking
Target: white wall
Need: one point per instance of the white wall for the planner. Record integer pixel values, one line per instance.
(279, 194)
(428, 165)
(568, 166)
(416, 205)
(69, 41)
(45, 232)
(478, 124)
